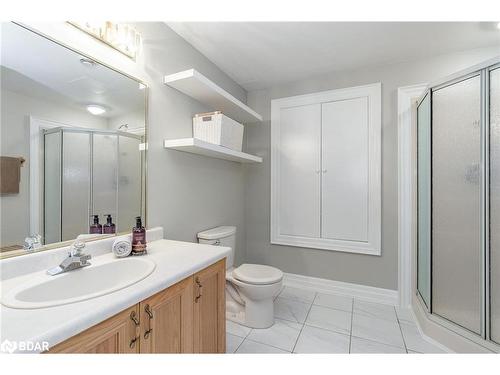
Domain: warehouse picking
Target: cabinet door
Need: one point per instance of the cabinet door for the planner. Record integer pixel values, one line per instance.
(167, 320)
(210, 309)
(299, 171)
(345, 162)
(118, 334)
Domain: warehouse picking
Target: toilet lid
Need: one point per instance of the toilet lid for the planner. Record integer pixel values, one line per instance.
(257, 274)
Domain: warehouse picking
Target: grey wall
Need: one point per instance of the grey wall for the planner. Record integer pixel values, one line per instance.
(15, 141)
(355, 268)
(186, 193)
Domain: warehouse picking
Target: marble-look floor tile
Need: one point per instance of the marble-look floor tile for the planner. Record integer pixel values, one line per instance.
(415, 342)
(359, 345)
(375, 329)
(283, 334)
(252, 347)
(331, 319)
(301, 295)
(317, 340)
(232, 342)
(237, 329)
(334, 301)
(375, 310)
(405, 315)
(289, 309)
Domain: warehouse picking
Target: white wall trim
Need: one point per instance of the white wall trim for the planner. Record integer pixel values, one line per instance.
(406, 96)
(373, 244)
(368, 293)
(36, 126)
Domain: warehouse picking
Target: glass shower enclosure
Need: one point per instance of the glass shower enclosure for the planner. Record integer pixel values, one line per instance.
(89, 172)
(458, 201)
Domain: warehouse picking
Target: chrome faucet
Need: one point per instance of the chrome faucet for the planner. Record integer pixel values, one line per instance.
(75, 259)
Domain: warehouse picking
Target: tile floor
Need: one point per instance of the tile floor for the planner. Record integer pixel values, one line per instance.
(310, 322)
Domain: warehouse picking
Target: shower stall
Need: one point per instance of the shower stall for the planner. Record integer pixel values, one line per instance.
(89, 172)
(458, 203)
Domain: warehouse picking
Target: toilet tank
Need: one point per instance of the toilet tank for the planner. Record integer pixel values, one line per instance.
(220, 236)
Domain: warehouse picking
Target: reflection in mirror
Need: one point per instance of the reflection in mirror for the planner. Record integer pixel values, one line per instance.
(72, 136)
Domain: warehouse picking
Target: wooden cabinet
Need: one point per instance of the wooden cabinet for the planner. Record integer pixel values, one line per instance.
(167, 320)
(188, 317)
(210, 309)
(118, 334)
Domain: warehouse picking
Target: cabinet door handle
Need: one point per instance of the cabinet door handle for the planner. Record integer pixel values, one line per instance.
(200, 289)
(132, 342)
(133, 317)
(148, 311)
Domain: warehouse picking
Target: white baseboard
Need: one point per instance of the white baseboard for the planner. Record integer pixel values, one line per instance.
(368, 293)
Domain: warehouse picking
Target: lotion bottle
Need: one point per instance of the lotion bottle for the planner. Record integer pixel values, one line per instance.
(138, 238)
(95, 228)
(109, 227)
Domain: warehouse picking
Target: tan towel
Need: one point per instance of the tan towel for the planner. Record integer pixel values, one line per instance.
(10, 174)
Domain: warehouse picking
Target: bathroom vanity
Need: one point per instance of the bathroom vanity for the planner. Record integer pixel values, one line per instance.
(187, 317)
(178, 307)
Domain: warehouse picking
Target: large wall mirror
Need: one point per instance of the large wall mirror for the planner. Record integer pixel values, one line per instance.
(72, 144)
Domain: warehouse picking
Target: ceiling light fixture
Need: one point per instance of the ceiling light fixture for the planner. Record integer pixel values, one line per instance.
(96, 109)
(120, 36)
(89, 63)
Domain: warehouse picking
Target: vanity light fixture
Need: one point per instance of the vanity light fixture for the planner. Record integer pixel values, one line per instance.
(498, 26)
(96, 109)
(120, 36)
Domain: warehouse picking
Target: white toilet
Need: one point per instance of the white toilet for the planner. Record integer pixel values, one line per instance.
(250, 288)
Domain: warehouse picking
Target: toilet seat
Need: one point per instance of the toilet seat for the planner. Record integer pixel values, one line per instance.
(257, 274)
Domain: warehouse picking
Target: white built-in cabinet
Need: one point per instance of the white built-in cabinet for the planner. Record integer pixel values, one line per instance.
(325, 170)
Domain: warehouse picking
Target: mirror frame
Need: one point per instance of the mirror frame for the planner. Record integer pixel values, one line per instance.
(144, 195)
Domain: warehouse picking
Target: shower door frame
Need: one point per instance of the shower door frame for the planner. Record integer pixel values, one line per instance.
(55, 127)
(483, 339)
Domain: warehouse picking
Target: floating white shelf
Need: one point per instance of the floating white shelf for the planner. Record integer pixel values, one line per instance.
(195, 146)
(199, 87)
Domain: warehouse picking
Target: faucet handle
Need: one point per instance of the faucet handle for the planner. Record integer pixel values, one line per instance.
(77, 247)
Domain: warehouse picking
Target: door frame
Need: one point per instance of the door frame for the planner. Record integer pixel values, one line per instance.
(36, 128)
(407, 97)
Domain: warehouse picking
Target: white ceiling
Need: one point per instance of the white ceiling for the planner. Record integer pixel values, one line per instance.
(34, 65)
(258, 55)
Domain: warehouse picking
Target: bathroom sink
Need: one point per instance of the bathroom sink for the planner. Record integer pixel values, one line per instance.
(78, 285)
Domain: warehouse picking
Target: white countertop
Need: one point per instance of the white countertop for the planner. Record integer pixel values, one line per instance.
(174, 261)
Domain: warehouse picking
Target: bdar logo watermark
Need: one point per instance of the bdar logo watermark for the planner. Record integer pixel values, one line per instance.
(8, 346)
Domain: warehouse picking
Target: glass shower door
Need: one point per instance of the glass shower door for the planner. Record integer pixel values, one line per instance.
(75, 183)
(457, 277)
(52, 187)
(424, 198)
(104, 175)
(129, 182)
(494, 97)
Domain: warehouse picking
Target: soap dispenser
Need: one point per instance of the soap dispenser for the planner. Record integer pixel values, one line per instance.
(95, 228)
(138, 238)
(109, 227)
